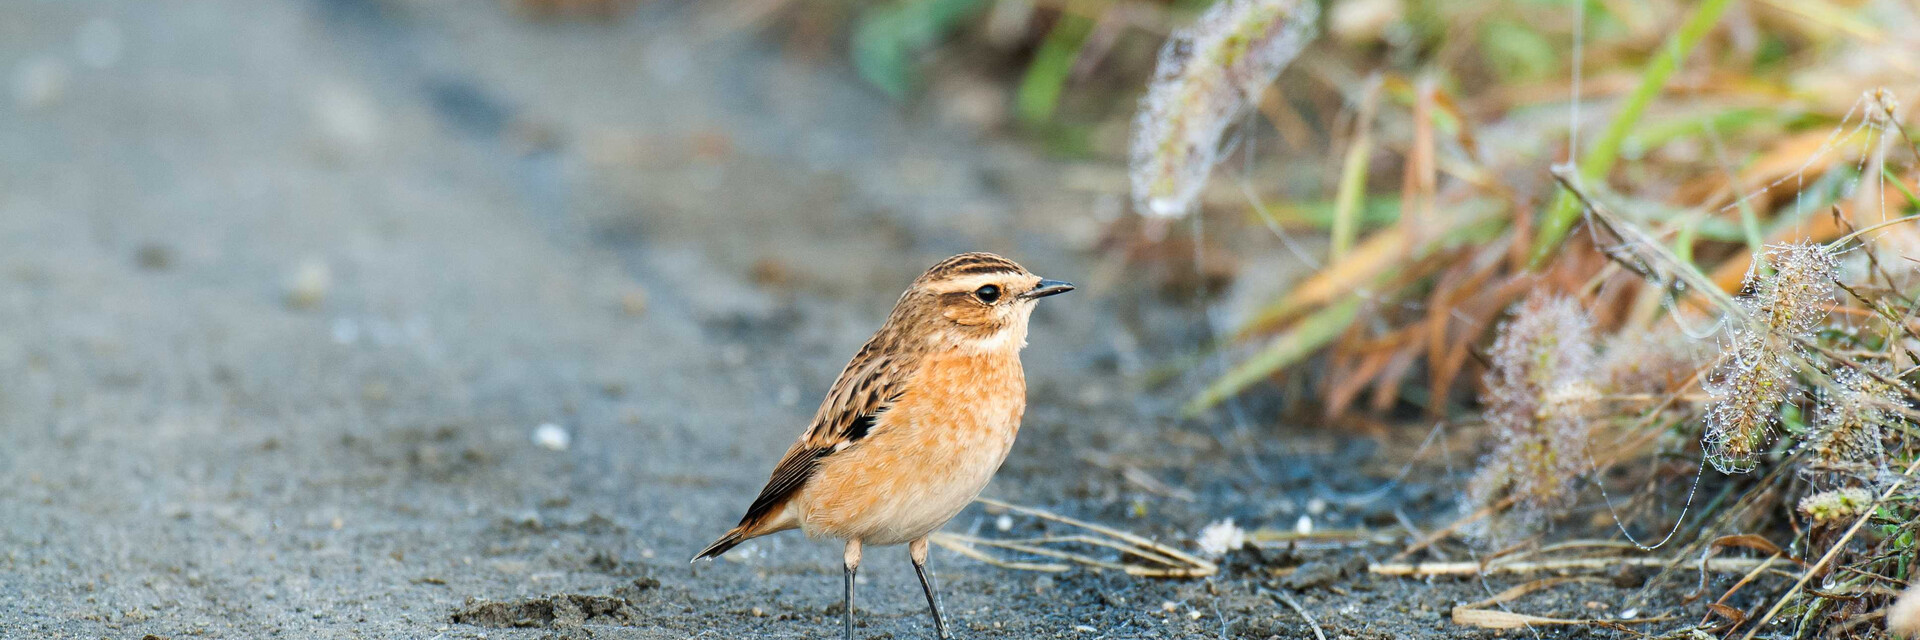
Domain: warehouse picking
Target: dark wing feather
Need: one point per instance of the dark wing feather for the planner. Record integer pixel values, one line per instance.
(870, 383)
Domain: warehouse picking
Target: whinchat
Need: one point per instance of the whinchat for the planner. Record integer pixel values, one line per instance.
(916, 424)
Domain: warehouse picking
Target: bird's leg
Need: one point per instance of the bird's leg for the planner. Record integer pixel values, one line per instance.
(852, 565)
(918, 551)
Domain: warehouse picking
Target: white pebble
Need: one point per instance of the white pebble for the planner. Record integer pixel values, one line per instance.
(308, 284)
(1316, 507)
(551, 436)
(1003, 523)
(1303, 526)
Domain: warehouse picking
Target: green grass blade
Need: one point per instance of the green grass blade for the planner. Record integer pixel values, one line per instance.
(1912, 200)
(1046, 76)
(1353, 176)
(1298, 342)
(1600, 157)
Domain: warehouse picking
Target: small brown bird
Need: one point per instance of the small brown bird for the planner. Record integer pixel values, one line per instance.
(916, 424)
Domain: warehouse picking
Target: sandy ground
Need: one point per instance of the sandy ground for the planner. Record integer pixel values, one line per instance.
(285, 287)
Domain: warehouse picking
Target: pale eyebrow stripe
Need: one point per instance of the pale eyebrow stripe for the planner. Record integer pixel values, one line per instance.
(971, 282)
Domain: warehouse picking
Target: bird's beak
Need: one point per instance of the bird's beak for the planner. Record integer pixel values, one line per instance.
(1047, 288)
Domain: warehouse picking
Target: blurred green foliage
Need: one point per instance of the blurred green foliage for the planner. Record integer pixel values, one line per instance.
(889, 39)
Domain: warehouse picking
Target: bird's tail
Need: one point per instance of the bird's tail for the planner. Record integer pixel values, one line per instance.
(733, 537)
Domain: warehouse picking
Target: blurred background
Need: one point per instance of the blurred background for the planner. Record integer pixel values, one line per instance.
(337, 317)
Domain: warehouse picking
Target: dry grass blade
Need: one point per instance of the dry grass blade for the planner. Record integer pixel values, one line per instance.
(1333, 537)
(1599, 158)
(949, 542)
(1166, 561)
(1369, 260)
(1638, 245)
(1300, 341)
(1477, 615)
(1423, 569)
(1420, 180)
(1497, 619)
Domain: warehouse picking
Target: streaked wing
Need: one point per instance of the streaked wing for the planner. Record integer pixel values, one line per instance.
(870, 383)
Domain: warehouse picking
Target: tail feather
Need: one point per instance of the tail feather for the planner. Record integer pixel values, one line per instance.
(732, 538)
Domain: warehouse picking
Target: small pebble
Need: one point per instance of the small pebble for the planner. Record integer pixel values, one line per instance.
(1304, 525)
(1003, 523)
(1316, 507)
(551, 437)
(308, 284)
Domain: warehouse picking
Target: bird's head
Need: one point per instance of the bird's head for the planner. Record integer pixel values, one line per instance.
(977, 301)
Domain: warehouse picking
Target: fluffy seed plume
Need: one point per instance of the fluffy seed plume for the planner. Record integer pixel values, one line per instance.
(1903, 618)
(1539, 403)
(1207, 75)
(1748, 387)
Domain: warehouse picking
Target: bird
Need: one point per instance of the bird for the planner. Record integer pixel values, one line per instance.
(915, 426)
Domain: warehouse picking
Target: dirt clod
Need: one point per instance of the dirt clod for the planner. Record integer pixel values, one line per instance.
(566, 610)
(1312, 575)
(1627, 577)
(637, 589)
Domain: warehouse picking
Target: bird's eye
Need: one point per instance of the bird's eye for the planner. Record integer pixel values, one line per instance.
(987, 293)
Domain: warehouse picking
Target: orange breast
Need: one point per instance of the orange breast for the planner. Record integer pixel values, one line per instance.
(928, 456)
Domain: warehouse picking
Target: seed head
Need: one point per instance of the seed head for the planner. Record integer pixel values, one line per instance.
(1850, 416)
(1207, 75)
(1540, 405)
(1794, 299)
(1746, 390)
